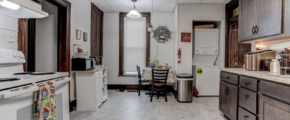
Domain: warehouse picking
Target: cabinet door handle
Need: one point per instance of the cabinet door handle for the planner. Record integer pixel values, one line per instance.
(247, 96)
(256, 29)
(226, 90)
(253, 30)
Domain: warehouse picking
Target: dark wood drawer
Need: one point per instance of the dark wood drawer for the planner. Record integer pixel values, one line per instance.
(231, 78)
(249, 83)
(245, 115)
(275, 90)
(248, 100)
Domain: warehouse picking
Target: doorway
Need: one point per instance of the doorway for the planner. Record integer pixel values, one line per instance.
(97, 32)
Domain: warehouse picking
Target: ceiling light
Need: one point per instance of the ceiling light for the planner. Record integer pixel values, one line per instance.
(9, 5)
(134, 14)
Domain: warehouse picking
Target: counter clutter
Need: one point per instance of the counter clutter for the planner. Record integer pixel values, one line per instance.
(258, 74)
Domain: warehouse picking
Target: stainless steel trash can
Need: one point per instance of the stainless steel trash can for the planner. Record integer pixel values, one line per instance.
(184, 87)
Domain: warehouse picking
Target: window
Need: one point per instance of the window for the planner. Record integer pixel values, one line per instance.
(134, 44)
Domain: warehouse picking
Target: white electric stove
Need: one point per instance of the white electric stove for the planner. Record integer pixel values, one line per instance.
(17, 87)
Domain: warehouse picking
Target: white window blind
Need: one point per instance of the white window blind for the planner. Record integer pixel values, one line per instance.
(134, 44)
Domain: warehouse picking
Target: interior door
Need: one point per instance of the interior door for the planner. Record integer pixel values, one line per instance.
(248, 19)
(96, 32)
(270, 17)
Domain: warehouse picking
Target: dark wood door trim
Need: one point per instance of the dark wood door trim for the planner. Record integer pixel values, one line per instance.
(23, 38)
(122, 15)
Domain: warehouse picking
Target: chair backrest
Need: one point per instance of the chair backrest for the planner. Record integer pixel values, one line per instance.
(138, 72)
(159, 75)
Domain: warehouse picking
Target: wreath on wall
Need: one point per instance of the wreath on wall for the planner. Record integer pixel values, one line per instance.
(162, 34)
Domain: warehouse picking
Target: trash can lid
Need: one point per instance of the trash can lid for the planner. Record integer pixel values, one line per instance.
(184, 75)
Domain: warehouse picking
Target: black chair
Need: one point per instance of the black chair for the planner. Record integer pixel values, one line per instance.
(158, 83)
(141, 81)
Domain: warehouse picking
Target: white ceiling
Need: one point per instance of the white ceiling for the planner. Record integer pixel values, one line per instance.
(146, 5)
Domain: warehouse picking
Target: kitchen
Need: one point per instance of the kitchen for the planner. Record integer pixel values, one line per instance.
(226, 51)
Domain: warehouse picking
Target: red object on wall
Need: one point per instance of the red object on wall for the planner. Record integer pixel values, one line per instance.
(179, 56)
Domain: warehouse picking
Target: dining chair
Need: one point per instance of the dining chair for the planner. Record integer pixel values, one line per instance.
(141, 81)
(158, 83)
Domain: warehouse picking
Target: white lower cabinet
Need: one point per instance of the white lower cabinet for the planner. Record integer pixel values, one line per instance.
(91, 91)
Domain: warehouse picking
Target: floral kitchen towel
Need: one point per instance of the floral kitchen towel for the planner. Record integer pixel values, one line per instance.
(44, 102)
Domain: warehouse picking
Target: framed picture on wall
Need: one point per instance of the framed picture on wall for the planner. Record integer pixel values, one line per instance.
(78, 34)
(85, 35)
(185, 37)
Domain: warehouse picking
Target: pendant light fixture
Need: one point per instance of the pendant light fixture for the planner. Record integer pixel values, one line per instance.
(134, 14)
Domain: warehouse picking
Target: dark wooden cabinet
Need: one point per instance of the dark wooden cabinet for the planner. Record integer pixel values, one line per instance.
(248, 19)
(271, 109)
(245, 115)
(223, 97)
(228, 103)
(262, 20)
(269, 18)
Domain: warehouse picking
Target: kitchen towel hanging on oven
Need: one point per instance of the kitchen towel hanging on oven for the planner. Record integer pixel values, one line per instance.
(44, 101)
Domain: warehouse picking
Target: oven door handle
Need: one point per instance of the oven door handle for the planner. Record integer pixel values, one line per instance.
(31, 89)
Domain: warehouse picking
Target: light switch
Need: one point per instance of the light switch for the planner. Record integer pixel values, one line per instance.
(11, 36)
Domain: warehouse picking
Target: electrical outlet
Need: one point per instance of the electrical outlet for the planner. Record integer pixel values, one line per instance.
(11, 36)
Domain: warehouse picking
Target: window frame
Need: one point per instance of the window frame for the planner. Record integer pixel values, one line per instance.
(122, 15)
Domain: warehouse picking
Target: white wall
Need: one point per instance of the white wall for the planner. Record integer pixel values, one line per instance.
(8, 24)
(46, 40)
(111, 45)
(80, 19)
(186, 14)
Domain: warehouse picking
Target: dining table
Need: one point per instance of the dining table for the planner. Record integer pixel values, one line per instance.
(146, 74)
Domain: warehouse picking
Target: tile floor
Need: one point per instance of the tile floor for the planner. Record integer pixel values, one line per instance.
(128, 106)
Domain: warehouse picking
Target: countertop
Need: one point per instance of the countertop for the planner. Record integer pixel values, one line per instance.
(259, 74)
(91, 71)
(32, 79)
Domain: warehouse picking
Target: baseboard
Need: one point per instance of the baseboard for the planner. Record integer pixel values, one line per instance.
(134, 87)
(73, 105)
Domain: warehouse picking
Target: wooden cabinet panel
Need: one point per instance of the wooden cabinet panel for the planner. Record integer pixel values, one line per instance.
(228, 103)
(249, 83)
(275, 90)
(248, 18)
(223, 97)
(248, 100)
(270, 18)
(245, 115)
(232, 101)
(228, 77)
(271, 109)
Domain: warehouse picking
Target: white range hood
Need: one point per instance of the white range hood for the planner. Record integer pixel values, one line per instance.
(28, 9)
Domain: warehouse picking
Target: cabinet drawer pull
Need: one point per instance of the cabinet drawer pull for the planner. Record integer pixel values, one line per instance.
(247, 96)
(247, 83)
(246, 116)
(227, 77)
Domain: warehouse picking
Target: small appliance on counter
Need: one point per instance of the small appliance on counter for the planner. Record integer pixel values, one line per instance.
(257, 60)
(283, 64)
(83, 64)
